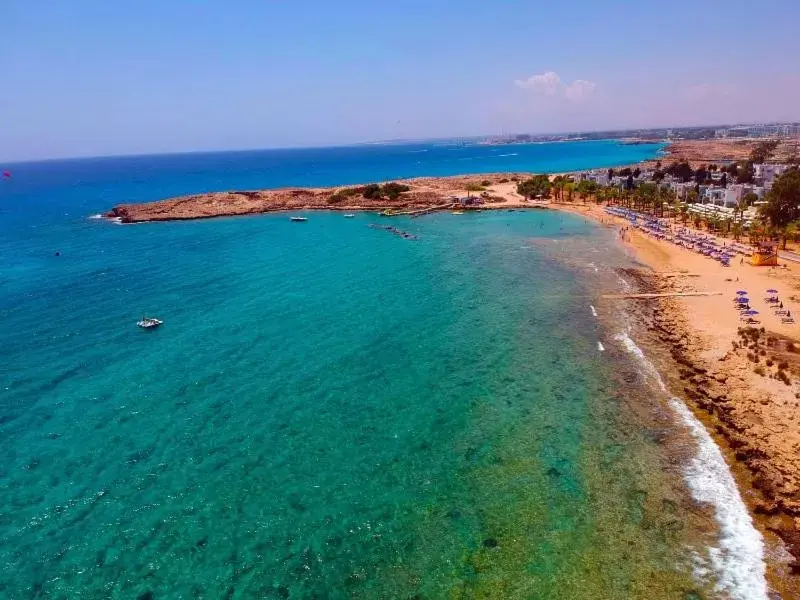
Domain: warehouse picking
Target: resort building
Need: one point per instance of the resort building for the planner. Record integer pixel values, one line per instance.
(767, 173)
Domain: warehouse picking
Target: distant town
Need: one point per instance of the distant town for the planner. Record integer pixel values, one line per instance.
(659, 134)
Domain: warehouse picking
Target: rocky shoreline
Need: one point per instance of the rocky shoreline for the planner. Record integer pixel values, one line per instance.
(719, 394)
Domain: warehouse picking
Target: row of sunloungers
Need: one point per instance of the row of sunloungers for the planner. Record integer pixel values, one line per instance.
(746, 312)
(707, 246)
(683, 238)
(777, 306)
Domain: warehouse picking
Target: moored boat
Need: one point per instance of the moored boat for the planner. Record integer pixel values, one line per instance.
(299, 219)
(149, 323)
(349, 216)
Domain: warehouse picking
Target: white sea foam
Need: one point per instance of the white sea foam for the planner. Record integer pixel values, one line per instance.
(97, 216)
(600, 346)
(626, 286)
(593, 309)
(738, 561)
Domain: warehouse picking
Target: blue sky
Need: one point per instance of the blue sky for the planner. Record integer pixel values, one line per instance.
(91, 77)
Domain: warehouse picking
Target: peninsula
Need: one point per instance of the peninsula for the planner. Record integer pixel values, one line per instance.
(493, 191)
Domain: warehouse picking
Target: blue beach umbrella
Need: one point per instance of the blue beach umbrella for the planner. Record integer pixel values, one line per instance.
(771, 291)
(741, 292)
(751, 312)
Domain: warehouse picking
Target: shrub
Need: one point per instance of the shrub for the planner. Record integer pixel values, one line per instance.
(783, 365)
(486, 183)
(393, 190)
(504, 180)
(371, 191)
(336, 198)
(759, 371)
(350, 192)
(769, 362)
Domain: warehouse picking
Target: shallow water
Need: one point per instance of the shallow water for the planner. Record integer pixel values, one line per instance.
(330, 411)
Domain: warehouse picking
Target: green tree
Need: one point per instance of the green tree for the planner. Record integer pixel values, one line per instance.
(569, 188)
(559, 182)
(745, 172)
(736, 229)
(763, 151)
(682, 171)
(701, 175)
(538, 185)
(683, 211)
(585, 188)
(783, 201)
(742, 205)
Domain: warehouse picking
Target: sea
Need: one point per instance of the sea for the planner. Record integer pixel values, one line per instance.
(333, 411)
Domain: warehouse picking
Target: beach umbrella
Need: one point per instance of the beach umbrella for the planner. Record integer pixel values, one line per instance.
(751, 312)
(771, 291)
(741, 292)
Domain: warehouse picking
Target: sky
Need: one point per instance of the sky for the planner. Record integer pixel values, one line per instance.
(95, 78)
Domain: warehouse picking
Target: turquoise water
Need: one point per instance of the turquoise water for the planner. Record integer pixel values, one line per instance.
(329, 411)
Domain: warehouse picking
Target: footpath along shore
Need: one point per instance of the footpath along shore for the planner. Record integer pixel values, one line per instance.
(733, 375)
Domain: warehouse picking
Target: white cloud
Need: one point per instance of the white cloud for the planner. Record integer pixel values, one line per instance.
(579, 89)
(548, 83)
(551, 84)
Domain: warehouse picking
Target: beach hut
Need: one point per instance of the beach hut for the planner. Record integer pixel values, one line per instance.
(765, 254)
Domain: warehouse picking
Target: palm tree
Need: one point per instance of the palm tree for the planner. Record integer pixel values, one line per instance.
(741, 206)
(559, 181)
(736, 228)
(683, 209)
(791, 231)
(569, 187)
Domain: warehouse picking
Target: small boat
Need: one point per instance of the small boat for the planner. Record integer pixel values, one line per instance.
(349, 216)
(149, 323)
(458, 212)
(299, 219)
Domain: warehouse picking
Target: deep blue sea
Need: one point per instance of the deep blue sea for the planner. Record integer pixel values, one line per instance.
(329, 410)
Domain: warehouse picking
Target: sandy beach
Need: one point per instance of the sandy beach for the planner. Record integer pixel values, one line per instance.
(734, 379)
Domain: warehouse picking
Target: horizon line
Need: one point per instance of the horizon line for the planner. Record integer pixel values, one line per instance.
(375, 142)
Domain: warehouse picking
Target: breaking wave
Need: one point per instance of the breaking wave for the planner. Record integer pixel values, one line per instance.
(738, 560)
